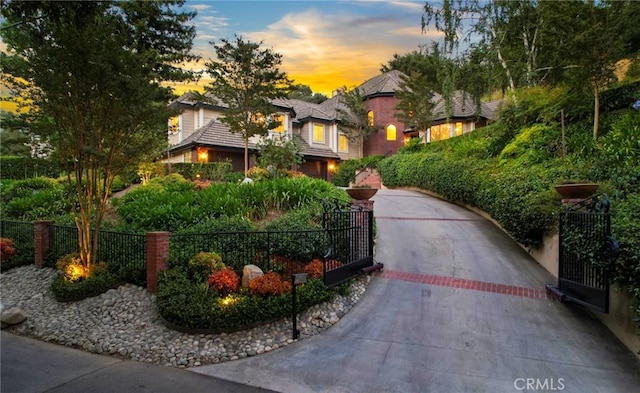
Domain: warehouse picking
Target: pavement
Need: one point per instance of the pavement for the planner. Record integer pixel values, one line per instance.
(459, 307)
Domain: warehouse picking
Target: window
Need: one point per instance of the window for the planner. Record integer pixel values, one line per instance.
(174, 125)
(440, 132)
(280, 119)
(391, 132)
(458, 128)
(370, 120)
(318, 133)
(343, 144)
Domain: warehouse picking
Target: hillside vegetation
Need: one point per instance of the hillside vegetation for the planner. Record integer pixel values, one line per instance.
(509, 168)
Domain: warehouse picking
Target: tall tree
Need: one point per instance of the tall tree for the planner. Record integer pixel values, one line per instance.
(415, 101)
(91, 71)
(353, 118)
(589, 38)
(247, 78)
(506, 31)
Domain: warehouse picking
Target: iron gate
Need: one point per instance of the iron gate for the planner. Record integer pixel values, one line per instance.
(350, 251)
(586, 251)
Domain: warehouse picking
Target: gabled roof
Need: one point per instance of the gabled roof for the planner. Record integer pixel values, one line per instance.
(213, 134)
(195, 99)
(384, 84)
(463, 106)
(216, 134)
(308, 110)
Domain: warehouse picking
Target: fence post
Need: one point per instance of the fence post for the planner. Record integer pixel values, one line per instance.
(41, 240)
(157, 257)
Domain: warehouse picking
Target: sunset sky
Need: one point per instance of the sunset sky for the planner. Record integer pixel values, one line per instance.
(324, 44)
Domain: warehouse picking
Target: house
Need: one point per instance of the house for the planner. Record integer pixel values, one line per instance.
(197, 135)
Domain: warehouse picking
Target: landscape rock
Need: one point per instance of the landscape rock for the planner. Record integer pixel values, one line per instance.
(124, 323)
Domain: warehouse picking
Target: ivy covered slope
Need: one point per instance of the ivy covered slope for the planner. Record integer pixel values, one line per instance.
(509, 168)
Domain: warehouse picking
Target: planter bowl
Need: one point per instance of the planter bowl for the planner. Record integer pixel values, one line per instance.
(575, 191)
(361, 193)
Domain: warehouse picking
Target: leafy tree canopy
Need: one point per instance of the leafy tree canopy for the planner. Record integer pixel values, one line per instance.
(247, 79)
(90, 73)
(304, 93)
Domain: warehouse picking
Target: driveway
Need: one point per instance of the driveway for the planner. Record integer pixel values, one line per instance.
(459, 308)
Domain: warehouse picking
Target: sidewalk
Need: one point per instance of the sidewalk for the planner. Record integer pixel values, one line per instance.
(32, 366)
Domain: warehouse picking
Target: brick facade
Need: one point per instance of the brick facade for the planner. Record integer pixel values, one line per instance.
(384, 113)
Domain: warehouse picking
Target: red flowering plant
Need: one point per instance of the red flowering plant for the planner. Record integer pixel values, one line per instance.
(7, 249)
(269, 284)
(314, 269)
(225, 281)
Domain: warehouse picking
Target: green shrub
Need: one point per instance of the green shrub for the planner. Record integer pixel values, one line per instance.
(193, 305)
(346, 171)
(68, 291)
(203, 264)
(34, 199)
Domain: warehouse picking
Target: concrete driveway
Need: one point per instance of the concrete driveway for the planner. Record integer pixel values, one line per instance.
(459, 308)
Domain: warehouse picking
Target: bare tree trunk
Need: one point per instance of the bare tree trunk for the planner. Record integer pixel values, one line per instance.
(596, 110)
(246, 155)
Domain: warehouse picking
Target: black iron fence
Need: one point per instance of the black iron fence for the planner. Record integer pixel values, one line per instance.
(123, 253)
(21, 233)
(284, 252)
(344, 244)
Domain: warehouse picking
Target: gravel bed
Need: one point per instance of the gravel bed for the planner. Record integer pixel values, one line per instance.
(124, 322)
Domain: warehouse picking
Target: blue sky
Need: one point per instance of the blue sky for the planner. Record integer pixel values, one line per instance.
(325, 44)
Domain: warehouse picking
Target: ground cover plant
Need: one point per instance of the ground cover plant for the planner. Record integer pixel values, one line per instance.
(509, 169)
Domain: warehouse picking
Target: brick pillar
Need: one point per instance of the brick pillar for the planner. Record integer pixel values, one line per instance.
(41, 240)
(365, 204)
(157, 257)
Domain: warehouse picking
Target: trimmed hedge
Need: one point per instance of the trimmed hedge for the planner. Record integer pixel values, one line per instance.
(27, 168)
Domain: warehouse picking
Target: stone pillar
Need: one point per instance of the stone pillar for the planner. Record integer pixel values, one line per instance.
(157, 257)
(41, 240)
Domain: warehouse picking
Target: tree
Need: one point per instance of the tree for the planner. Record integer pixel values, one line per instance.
(589, 36)
(415, 101)
(304, 93)
(505, 31)
(246, 78)
(91, 73)
(14, 135)
(281, 153)
(353, 117)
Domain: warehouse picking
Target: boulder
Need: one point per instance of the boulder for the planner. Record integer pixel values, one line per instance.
(249, 272)
(12, 316)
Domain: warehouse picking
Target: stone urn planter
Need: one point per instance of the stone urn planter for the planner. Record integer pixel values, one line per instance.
(361, 193)
(576, 191)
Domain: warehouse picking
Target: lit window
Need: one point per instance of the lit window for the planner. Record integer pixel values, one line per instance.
(440, 132)
(318, 133)
(391, 132)
(279, 119)
(174, 125)
(370, 118)
(458, 128)
(343, 144)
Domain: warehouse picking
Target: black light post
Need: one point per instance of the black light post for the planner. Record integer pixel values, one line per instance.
(298, 278)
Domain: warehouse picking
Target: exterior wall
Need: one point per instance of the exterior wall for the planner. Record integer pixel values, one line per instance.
(384, 109)
(314, 168)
